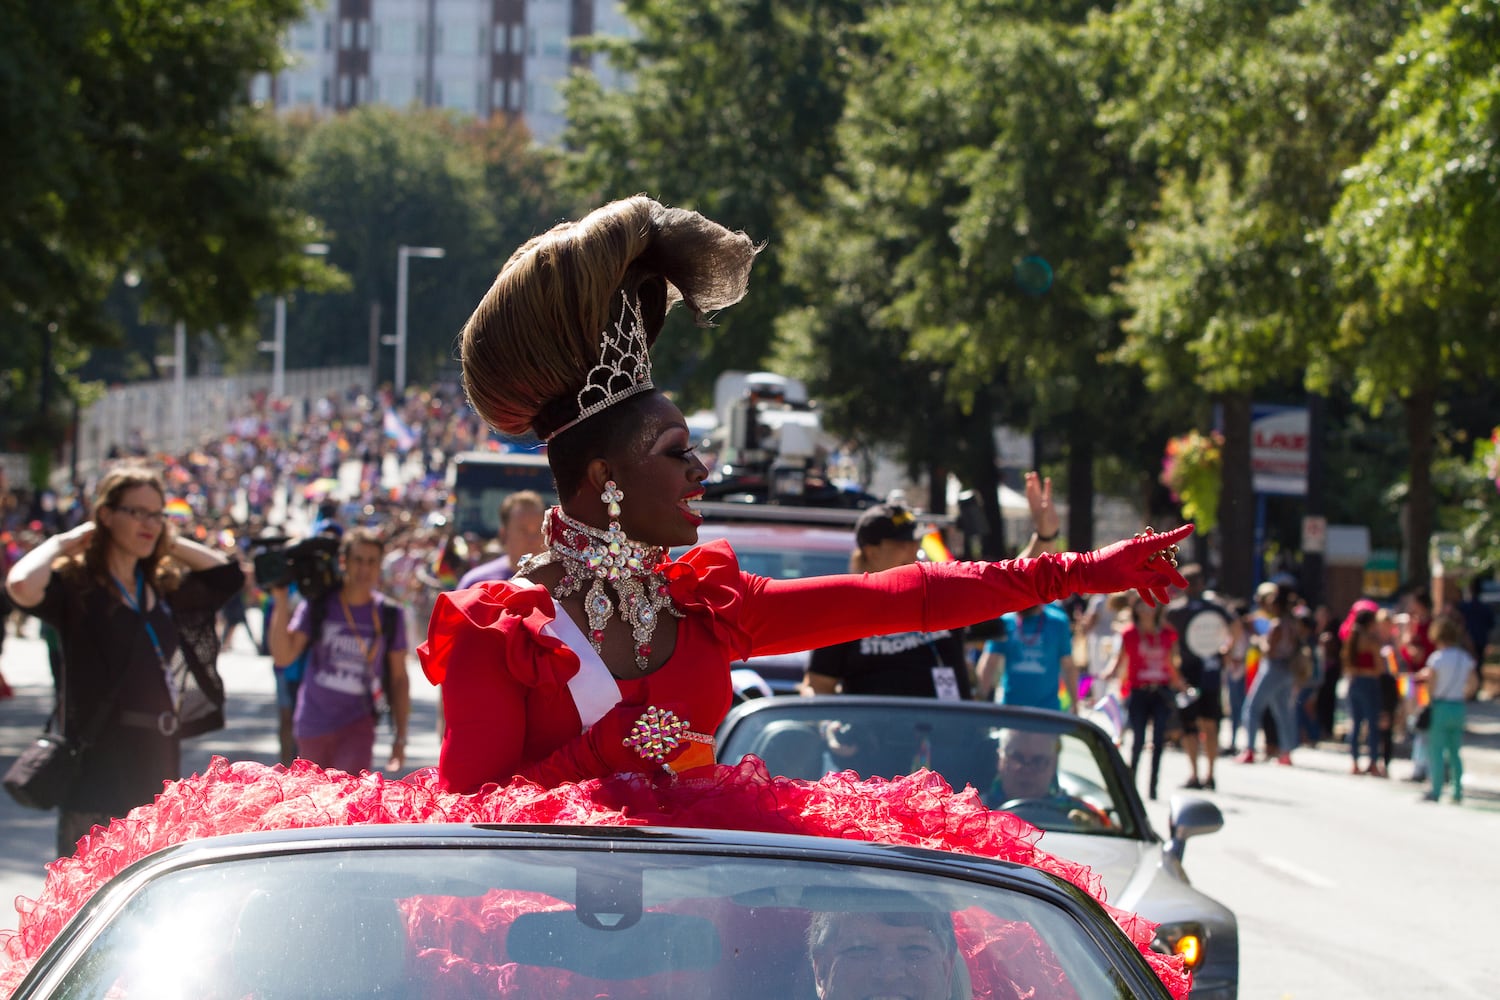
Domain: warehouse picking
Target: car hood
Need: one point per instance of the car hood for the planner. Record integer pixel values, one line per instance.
(1138, 875)
(1142, 876)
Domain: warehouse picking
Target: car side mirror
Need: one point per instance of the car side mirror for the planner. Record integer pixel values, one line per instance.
(1191, 817)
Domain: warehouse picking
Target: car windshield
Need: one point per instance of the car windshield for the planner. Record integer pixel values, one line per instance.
(461, 921)
(790, 564)
(1049, 770)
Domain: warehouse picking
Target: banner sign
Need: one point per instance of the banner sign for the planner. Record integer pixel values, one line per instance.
(1278, 450)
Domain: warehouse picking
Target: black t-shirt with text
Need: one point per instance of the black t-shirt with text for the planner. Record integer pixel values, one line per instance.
(910, 664)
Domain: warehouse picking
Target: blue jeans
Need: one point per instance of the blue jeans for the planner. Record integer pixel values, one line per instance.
(1273, 691)
(1307, 715)
(1149, 705)
(1236, 688)
(1364, 709)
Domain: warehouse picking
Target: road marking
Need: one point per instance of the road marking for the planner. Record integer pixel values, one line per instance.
(1297, 872)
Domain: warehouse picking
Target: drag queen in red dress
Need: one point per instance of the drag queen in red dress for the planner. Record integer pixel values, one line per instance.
(587, 688)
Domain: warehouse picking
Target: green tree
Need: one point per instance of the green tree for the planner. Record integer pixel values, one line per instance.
(128, 140)
(730, 111)
(1411, 239)
(961, 266)
(379, 178)
(1250, 111)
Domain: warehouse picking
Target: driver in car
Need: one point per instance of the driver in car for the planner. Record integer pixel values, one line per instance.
(1026, 783)
(908, 954)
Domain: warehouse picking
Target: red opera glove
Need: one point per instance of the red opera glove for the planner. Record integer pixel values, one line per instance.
(1146, 564)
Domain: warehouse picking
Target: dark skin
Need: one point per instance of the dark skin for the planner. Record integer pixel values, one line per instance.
(657, 471)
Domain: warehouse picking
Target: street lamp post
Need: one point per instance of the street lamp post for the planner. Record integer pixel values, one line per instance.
(403, 254)
(277, 347)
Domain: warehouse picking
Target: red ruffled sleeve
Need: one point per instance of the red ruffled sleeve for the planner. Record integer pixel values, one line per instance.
(512, 616)
(503, 681)
(707, 580)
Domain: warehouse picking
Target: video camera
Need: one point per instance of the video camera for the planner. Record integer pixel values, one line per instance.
(311, 563)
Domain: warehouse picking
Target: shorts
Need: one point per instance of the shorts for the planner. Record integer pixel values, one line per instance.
(1209, 706)
(350, 748)
(286, 689)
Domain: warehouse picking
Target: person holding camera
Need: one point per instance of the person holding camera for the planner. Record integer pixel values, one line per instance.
(355, 638)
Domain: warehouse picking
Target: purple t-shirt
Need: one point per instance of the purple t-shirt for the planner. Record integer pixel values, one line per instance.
(344, 665)
(495, 569)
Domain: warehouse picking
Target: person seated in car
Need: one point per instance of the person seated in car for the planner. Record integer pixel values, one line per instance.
(1026, 778)
(910, 954)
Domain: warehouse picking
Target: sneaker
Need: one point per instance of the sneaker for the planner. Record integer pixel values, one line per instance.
(1285, 760)
(1192, 783)
(1428, 797)
(1248, 757)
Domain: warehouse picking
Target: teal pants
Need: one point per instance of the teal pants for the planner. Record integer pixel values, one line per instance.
(1444, 737)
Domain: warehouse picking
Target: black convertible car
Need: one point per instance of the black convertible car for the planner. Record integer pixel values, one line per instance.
(586, 912)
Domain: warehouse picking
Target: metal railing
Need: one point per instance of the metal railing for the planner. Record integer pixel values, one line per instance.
(163, 416)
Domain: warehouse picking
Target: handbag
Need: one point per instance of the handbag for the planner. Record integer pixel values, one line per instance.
(46, 771)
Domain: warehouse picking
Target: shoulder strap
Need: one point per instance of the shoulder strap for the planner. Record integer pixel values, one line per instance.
(387, 610)
(317, 614)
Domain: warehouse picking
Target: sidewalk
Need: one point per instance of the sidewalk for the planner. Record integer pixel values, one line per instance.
(1481, 750)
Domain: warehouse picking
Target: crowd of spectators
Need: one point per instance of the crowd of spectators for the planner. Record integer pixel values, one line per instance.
(283, 466)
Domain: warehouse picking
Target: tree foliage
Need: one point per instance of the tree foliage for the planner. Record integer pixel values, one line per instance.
(379, 178)
(729, 110)
(969, 239)
(128, 140)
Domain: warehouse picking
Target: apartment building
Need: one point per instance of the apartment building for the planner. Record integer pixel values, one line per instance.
(478, 57)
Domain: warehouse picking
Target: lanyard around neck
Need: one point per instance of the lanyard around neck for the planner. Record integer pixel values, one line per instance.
(372, 648)
(138, 605)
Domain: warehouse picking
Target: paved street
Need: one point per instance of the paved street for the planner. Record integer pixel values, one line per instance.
(1329, 874)
(1348, 887)
(27, 836)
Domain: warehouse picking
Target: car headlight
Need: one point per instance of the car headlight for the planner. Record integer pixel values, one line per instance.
(1186, 939)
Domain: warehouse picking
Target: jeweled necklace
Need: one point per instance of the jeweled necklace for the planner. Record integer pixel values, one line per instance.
(607, 557)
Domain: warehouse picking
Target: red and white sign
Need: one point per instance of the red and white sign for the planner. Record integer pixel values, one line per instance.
(1278, 450)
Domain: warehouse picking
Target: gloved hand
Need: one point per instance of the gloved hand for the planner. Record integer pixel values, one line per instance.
(601, 751)
(639, 738)
(1143, 564)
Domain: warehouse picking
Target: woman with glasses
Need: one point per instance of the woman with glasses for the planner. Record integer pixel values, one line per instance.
(134, 605)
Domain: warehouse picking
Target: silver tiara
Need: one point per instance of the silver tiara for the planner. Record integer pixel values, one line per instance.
(624, 367)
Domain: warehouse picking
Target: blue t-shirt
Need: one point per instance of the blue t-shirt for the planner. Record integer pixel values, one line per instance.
(1033, 647)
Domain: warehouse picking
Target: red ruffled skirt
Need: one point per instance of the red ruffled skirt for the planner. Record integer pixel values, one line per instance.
(919, 810)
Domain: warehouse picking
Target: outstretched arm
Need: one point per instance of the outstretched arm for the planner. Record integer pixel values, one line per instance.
(783, 616)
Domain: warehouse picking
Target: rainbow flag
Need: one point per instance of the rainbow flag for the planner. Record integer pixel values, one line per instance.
(934, 548)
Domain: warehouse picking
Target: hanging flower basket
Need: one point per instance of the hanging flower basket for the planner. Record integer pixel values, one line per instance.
(1190, 470)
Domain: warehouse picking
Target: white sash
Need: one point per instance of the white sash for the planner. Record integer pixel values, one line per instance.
(593, 688)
